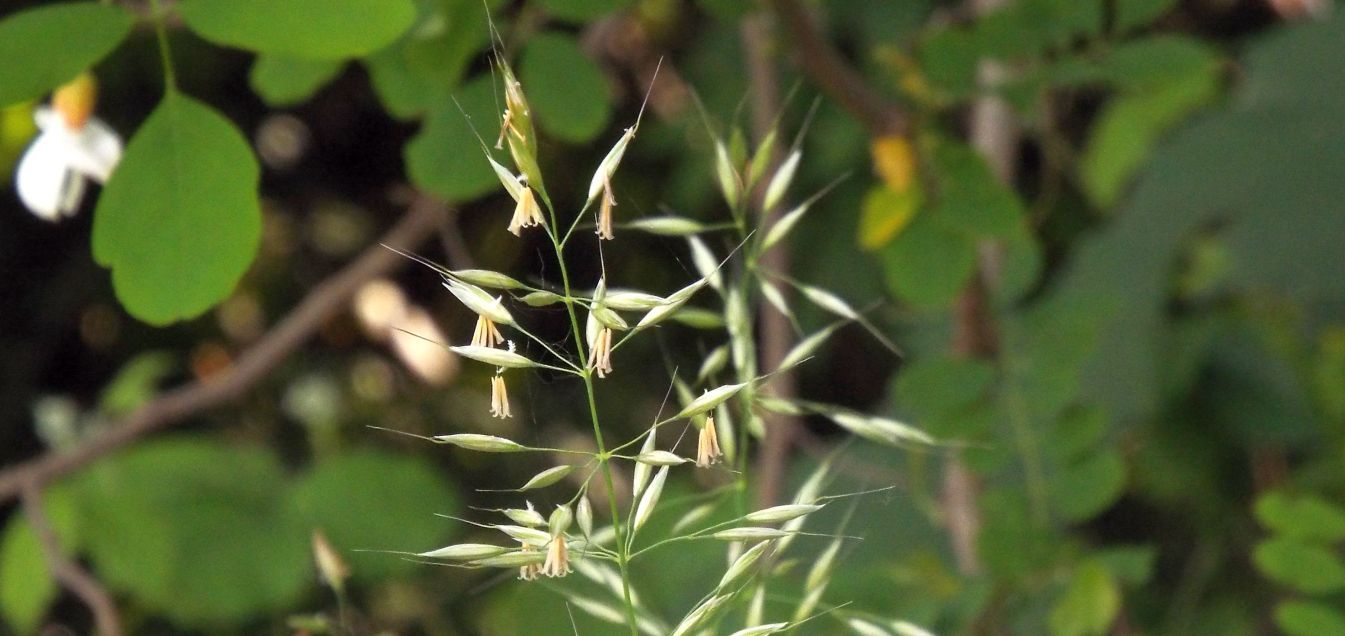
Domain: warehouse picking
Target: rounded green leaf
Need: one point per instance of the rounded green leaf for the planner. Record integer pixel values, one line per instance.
(446, 157)
(1089, 486)
(927, 264)
(26, 586)
(565, 87)
(196, 530)
(179, 221)
(1090, 602)
(48, 46)
(318, 29)
(1310, 568)
(371, 500)
(1300, 618)
(1303, 517)
(283, 80)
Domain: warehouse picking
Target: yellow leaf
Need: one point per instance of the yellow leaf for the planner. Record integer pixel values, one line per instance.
(894, 162)
(885, 213)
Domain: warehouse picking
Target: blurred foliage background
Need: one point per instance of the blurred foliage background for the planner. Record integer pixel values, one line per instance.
(1147, 434)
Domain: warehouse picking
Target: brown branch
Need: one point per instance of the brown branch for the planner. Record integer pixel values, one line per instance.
(777, 336)
(67, 572)
(329, 297)
(833, 75)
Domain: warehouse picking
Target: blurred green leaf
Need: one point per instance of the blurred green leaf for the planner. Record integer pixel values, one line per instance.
(1074, 434)
(581, 10)
(315, 29)
(1132, 565)
(1303, 618)
(928, 264)
(1011, 544)
(1308, 568)
(136, 382)
(885, 213)
(1131, 126)
(565, 87)
(1269, 168)
(446, 158)
(26, 586)
(1131, 14)
(1083, 489)
(1306, 517)
(1090, 603)
(179, 221)
(284, 81)
(415, 74)
(47, 46)
(1155, 61)
(195, 529)
(369, 500)
(937, 388)
(970, 198)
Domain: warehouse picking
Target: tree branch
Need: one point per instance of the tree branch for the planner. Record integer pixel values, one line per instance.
(67, 572)
(834, 76)
(421, 220)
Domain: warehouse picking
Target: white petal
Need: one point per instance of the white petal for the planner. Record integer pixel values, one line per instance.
(46, 118)
(72, 192)
(95, 151)
(44, 180)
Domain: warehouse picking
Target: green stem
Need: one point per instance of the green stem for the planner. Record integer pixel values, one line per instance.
(165, 52)
(623, 550)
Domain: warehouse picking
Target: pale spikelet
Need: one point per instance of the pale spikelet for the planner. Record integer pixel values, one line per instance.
(725, 433)
(548, 477)
(584, 515)
(642, 470)
(904, 628)
(706, 263)
(531, 567)
(761, 630)
(600, 356)
(526, 213)
(729, 184)
(779, 183)
(861, 627)
(782, 513)
(707, 448)
(483, 443)
(331, 566)
(605, 211)
(526, 517)
(650, 498)
(494, 357)
(700, 614)
(660, 458)
(609, 165)
(742, 566)
(714, 363)
(756, 609)
(465, 552)
(709, 400)
(499, 398)
(480, 302)
(667, 226)
(486, 333)
(749, 533)
(534, 537)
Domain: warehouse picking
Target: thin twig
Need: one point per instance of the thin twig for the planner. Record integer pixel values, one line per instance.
(172, 407)
(66, 572)
(777, 336)
(833, 75)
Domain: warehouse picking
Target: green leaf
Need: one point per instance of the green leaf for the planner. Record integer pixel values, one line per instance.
(136, 382)
(1131, 14)
(1086, 488)
(1303, 618)
(581, 10)
(284, 81)
(1090, 602)
(179, 221)
(415, 75)
(1075, 433)
(196, 530)
(1129, 129)
(370, 500)
(1132, 565)
(26, 586)
(928, 264)
(565, 87)
(1309, 568)
(47, 46)
(316, 29)
(885, 213)
(938, 388)
(1155, 61)
(971, 199)
(446, 157)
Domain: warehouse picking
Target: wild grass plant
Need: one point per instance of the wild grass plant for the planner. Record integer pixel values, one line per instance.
(723, 402)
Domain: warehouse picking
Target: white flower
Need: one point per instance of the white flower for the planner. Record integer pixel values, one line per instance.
(71, 147)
